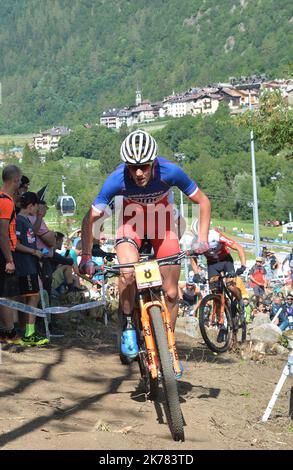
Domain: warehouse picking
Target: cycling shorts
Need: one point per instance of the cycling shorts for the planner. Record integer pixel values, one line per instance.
(226, 265)
(156, 221)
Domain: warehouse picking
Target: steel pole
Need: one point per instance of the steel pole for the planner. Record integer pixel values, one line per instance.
(254, 186)
(184, 241)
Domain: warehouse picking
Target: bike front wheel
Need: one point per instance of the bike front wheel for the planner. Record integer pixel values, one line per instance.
(215, 326)
(173, 409)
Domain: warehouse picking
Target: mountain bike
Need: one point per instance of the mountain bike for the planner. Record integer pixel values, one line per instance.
(222, 318)
(157, 358)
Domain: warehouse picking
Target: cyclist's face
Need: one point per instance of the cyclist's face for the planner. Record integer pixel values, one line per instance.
(141, 174)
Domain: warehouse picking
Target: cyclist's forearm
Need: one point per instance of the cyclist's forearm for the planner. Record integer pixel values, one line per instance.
(87, 232)
(242, 256)
(204, 214)
(205, 217)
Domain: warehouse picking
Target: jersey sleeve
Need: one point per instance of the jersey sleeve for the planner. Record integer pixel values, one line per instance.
(225, 240)
(112, 187)
(175, 176)
(6, 208)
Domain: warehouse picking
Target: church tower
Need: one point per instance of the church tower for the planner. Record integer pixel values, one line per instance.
(138, 97)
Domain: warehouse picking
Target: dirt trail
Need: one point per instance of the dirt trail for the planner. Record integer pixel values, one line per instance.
(77, 395)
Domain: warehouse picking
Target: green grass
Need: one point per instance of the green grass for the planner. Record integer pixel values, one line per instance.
(245, 394)
(269, 232)
(152, 126)
(17, 139)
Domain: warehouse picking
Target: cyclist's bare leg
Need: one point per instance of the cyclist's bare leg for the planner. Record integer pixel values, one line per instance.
(231, 286)
(127, 253)
(170, 276)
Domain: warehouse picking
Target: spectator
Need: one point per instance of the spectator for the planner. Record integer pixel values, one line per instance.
(289, 258)
(190, 292)
(11, 180)
(74, 252)
(258, 279)
(46, 239)
(112, 292)
(277, 307)
(64, 267)
(271, 264)
(27, 266)
(260, 309)
(248, 310)
(289, 310)
(23, 188)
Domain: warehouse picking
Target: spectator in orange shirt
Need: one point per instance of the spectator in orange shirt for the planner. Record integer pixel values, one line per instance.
(8, 283)
(258, 279)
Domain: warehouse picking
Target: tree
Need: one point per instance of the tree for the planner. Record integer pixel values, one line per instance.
(272, 122)
(30, 156)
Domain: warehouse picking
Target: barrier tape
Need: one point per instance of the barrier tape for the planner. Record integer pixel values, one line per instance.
(46, 311)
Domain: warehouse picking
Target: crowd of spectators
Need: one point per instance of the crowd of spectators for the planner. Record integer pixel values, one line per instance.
(35, 260)
(37, 264)
(259, 292)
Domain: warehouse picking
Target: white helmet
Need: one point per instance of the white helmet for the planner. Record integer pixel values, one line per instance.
(138, 148)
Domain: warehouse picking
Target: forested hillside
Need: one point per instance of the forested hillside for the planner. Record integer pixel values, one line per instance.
(217, 156)
(64, 61)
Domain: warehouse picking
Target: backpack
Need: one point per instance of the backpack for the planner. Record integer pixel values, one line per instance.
(291, 261)
(4, 196)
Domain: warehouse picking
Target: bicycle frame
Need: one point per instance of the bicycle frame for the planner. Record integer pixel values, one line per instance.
(148, 334)
(150, 281)
(223, 294)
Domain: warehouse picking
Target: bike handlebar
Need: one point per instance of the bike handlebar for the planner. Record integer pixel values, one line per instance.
(115, 269)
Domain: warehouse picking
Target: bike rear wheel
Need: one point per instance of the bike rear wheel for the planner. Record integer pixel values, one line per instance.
(239, 323)
(173, 409)
(216, 328)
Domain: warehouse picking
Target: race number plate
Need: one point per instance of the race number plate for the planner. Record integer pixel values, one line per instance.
(148, 274)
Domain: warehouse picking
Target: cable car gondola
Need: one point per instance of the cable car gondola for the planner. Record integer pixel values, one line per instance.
(65, 204)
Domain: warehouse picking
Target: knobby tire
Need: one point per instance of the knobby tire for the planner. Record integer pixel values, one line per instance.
(202, 325)
(173, 409)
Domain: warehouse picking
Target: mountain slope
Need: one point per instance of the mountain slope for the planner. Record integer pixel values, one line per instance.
(67, 60)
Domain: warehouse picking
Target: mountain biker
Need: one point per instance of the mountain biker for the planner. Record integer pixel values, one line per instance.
(220, 260)
(144, 179)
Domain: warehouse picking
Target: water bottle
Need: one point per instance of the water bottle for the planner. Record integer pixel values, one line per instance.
(129, 345)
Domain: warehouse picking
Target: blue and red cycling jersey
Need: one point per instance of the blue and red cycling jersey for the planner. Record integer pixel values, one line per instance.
(165, 175)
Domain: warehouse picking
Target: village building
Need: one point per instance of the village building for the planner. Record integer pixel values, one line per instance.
(48, 140)
(205, 100)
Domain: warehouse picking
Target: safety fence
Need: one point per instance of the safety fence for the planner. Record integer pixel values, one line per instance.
(46, 312)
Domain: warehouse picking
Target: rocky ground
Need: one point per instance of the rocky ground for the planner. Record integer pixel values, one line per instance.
(76, 395)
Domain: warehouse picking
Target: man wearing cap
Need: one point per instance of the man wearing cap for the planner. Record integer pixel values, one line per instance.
(258, 279)
(27, 258)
